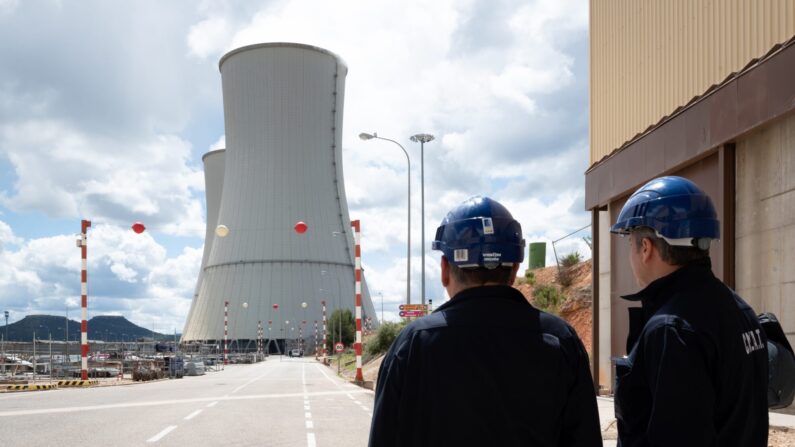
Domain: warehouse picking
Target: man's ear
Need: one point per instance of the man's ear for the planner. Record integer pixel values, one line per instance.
(514, 271)
(646, 250)
(445, 272)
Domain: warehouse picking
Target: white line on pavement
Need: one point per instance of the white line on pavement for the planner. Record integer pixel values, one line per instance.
(160, 435)
(212, 404)
(193, 415)
(309, 424)
(171, 402)
(250, 382)
(308, 415)
(310, 440)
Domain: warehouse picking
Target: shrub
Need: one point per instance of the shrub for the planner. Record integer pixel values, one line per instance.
(384, 337)
(571, 259)
(530, 276)
(548, 298)
(565, 274)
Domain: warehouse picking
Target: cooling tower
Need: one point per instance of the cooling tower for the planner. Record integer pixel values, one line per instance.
(213, 185)
(283, 108)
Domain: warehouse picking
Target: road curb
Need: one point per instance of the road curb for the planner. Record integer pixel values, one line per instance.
(77, 383)
(29, 387)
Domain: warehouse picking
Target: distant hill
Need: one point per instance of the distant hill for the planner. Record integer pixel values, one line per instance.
(103, 327)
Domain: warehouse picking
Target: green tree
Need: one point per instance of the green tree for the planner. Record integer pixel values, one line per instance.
(384, 337)
(343, 317)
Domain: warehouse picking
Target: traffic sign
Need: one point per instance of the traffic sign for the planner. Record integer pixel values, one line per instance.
(410, 307)
(339, 347)
(412, 313)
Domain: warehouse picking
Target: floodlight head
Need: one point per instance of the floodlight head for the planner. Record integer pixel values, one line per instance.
(366, 136)
(422, 138)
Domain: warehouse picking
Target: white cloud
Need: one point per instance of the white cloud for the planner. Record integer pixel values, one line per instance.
(128, 274)
(66, 173)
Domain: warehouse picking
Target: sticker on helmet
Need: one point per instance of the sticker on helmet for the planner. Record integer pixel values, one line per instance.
(488, 226)
(492, 257)
(461, 255)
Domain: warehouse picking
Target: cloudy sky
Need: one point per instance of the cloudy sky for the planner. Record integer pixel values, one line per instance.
(106, 108)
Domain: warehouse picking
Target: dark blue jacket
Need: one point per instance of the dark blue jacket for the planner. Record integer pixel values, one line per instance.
(696, 374)
(486, 369)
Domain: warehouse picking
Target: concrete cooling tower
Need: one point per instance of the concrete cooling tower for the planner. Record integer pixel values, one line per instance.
(213, 185)
(283, 108)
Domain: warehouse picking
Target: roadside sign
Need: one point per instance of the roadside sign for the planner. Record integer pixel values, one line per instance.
(412, 313)
(339, 347)
(413, 307)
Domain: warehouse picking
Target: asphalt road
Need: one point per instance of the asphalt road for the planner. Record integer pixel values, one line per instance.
(279, 402)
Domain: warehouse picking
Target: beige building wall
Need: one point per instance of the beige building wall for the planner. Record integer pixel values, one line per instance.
(649, 57)
(765, 233)
(605, 379)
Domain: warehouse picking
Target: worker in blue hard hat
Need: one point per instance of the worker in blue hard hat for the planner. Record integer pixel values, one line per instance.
(696, 372)
(486, 368)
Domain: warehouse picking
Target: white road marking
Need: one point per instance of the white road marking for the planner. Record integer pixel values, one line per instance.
(193, 415)
(306, 407)
(310, 440)
(309, 424)
(250, 382)
(160, 435)
(212, 404)
(172, 402)
(357, 402)
(308, 415)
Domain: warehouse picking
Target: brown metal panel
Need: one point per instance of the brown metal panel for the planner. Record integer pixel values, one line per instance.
(752, 98)
(781, 81)
(697, 129)
(727, 163)
(723, 113)
(595, 298)
(673, 145)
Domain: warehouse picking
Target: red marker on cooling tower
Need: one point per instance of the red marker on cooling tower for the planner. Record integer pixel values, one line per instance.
(300, 227)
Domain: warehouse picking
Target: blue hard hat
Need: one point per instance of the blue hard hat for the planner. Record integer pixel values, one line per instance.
(480, 233)
(675, 207)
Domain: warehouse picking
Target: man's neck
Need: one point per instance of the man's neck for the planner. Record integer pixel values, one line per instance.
(454, 289)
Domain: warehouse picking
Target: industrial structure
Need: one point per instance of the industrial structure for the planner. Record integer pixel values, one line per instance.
(283, 113)
(703, 90)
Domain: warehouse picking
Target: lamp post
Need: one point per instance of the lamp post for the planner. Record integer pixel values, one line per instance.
(365, 137)
(422, 138)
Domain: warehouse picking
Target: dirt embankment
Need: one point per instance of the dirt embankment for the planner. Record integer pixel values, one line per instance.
(575, 307)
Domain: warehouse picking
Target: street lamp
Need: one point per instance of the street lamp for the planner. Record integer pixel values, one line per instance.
(382, 306)
(422, 138)
(365, 137)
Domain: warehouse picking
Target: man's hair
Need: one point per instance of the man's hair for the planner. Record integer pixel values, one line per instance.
(479, 276)
(672, 254)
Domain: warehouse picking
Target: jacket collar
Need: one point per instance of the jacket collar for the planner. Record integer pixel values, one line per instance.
(659, 291)
(472, 293)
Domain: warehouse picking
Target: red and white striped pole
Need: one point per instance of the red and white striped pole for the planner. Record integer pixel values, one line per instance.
(270, 322)
(317, 351)
(226, 325)
(84, 224)
(324, 327)
(259, 339)
(357, 346)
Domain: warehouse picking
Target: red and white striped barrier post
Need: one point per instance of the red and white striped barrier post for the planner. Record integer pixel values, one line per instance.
(324, 327)
(357, 346)
(301, 336)
(316, 341)
(226, 325)
(84, 224)
(270, 322)
(259, 339)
